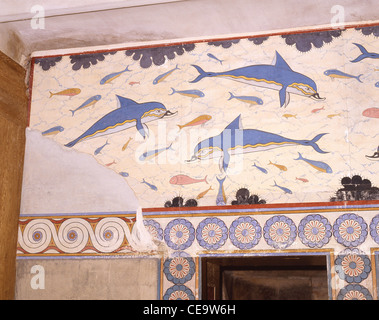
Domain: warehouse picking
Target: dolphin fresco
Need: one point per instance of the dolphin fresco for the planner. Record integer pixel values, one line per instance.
(277, 76)
(128, 114)
(365, 54)
(234, 140)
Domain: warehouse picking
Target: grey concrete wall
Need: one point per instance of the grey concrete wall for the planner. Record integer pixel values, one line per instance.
(88, 279)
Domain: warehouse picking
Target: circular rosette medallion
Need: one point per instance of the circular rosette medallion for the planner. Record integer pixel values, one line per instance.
(245, 232)
(315, 231)
(179, 292)
(154, 228)
(211, 233)
(279, 232)
(354, 292)
(374, 228)
(350, 230)
(179, 234)
(179, 270)
(353, 265)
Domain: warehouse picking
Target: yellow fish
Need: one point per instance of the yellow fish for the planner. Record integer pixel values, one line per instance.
(199, 120)
(287, 115)
(126, 144)
(330, 116)
(279, 166)
(68, 92)
(202, 194)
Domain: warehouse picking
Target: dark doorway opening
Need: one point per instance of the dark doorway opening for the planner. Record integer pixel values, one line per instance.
(265, 278)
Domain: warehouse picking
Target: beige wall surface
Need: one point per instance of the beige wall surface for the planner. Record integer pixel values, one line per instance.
(87, 279)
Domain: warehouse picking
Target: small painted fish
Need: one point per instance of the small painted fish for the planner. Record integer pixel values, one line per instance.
(188, 93)
(318, 165)
(151, 186)
(210, 55)
(132, 83)
(110, 163)
(202, 194)
(153, 153)
(68, 92)
(52, 131)
(260, 168)
(221, 197)
(302, 179)
(279, 166)
(163, 76)
(333, 73)
(89, 102)
(330, 116)
(98, 150)
(371, 112)
(124, 174)
(126, 144)
(112, 76)
(377, 84)
(288, 115)
(248, 99)
(182, 179)
(286, 190)
(318, 110)
(197, 121)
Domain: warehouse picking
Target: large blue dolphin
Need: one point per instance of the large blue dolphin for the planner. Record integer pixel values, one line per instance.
(235, 140)
(128, 114)
(278, 76)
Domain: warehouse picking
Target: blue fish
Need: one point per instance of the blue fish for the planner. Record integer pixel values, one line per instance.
(189, 93)
(112, 76)
(278, 76)
(221, 198)
(52, 131)
(377, 84)
(318, 165)
(98, 150)
(286, 190)
(163, 76)
(124, 174)
(210, 55)
(365, 54)
(260, 168)
(153, 187)
(127, 115)
(234, 140)
(153, 153)
(89, 102)
(333, 73)
(247, 99)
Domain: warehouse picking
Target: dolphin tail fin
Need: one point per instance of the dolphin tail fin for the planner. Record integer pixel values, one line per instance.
(173, 91)
(300, 157)
(202, 74)
(221, 181)
(359, 78)
(314, 144)
(231, 96)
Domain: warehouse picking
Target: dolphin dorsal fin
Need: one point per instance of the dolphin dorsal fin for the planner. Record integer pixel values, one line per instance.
(235, 124)
(124, 102)
(280, 62)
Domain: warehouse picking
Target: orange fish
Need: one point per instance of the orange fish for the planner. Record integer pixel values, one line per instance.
(279, 166)
(318, 110)
(302, 179)
(68, 92)
(202, 194)
(199, 120)
(126, 144)
(182, 179)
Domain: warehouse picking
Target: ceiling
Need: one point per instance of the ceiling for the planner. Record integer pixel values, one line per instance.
(85, 23)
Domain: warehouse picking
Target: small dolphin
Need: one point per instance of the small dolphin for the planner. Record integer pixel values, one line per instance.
(163, 76)
(112, 76)
(188, 93)
(333, 73)
(128, 114)
(286, 190)
(247, 99)
(278, 76)
(234, 140)
(365, 54)
(221, 198)
(318, 165)
(52, 131)
(89, 102)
